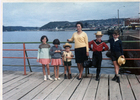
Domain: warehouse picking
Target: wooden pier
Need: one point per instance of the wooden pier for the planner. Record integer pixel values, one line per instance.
(17, 86)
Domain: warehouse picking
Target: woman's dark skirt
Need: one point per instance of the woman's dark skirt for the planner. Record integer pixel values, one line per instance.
(80, 55)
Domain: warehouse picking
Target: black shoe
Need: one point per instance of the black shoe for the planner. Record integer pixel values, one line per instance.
(114, 78)
(97, 78)
(65, 76)
(70, 76)
(79, 78)
(118, 79)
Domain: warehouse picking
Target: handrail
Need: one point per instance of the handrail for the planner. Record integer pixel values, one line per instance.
(60, 42)
(25, 56)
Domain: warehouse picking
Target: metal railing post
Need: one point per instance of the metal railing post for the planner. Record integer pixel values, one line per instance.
(24, 59)
(28, 61)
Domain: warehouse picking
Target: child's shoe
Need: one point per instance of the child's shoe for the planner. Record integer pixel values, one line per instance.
(97, 78)
(114, 78)
(70, 76)
(65, 76)
(58, 78)
(118, 79)
(50, 79)
(55, 79)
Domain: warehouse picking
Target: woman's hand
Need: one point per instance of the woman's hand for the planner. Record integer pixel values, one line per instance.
(68, 40)
(37, 60)
(87, 53)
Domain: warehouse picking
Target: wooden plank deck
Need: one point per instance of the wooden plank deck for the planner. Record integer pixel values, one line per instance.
(17, 86)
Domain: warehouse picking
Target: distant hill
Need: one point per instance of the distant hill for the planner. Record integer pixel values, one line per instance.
(59, 24)
(66, 25)
(19, 28)
(86, 23)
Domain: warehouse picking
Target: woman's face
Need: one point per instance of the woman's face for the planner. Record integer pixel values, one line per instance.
(44, 40)
(79, 28)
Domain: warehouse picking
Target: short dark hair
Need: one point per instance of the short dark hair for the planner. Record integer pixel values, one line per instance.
(116, 32)
(79, 23)
(56, 41)
(44, 36)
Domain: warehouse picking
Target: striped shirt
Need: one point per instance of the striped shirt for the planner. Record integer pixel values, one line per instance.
(43, 51)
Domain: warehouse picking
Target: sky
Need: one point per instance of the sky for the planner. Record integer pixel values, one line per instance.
(37, 14)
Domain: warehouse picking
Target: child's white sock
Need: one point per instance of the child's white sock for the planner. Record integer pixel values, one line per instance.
(48, 76)
(45, 77)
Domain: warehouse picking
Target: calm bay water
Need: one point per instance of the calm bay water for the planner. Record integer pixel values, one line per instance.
(34, 36)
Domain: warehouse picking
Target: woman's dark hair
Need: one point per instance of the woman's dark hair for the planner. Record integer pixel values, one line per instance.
(79, 23)
(56, 41)
(43, 38)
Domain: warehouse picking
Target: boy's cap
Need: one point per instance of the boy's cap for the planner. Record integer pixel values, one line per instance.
(99, 33)
(67, 44)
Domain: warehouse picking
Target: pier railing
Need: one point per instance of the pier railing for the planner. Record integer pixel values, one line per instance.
(25, 55)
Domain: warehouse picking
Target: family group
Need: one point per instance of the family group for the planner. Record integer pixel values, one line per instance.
(47, 54)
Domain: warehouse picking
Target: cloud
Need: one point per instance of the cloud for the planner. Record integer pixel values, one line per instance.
(38, 14)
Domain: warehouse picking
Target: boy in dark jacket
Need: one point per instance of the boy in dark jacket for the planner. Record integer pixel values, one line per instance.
(98, 47)
(116, 52)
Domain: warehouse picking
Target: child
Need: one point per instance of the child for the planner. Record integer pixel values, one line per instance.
(97, 49)
(56, 53)
(116, 51)
(44, 56)
(66, 57)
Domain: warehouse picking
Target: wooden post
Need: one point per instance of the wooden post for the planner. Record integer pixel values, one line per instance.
(24, 59)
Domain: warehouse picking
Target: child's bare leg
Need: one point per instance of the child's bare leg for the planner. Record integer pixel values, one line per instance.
(43, 69)
(48, 69)
(65, 69)
(69, 69)
(116, 66)
(57, 71)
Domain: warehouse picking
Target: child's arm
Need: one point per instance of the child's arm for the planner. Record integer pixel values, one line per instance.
(51, 52)
(91, 42)
(63, 58)
(106, 47)
(121, 49)
(38, 55)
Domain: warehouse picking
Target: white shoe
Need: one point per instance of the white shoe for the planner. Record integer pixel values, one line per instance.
(55, 79)
(45, 78)
(50, 79)
(58, 78)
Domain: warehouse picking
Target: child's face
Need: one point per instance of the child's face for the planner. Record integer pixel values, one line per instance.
(98, 37)
(67, 49)
(55, 45)
(115, 36)
(44, 40)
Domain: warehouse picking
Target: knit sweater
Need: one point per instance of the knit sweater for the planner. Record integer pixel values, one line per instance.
(43, 51)
(56, 55)
(98, 45)
(115, 46)
(81, 40)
